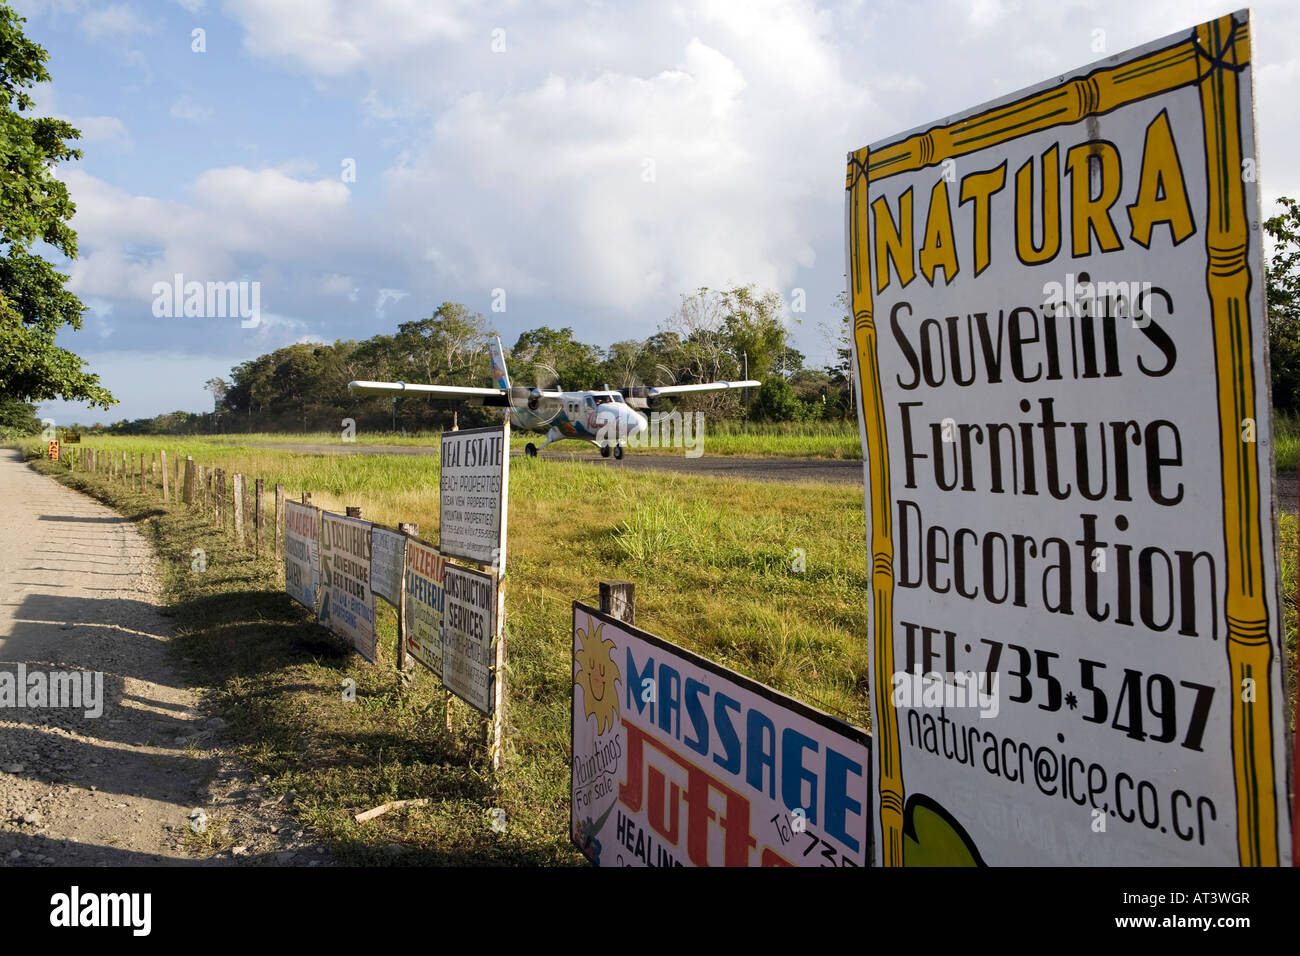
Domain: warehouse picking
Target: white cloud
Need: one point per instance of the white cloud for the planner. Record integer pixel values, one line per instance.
(184, 108)
(92, 128)
(239, 219)
(97, 128)
(339, 37)
(617, 189)
(335, 284)
(115, 20)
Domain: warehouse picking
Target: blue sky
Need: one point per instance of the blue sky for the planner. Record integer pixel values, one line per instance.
(593, 160)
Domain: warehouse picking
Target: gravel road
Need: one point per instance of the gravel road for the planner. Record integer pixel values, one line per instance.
(147, 780)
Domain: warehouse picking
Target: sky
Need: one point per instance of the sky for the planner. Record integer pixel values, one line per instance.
(582, 164)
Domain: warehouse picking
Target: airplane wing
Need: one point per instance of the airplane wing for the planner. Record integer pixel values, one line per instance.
(517, 396)
(438, 391)
(640, 396)
(702, 387)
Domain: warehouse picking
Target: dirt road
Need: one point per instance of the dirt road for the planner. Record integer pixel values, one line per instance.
(146, 779)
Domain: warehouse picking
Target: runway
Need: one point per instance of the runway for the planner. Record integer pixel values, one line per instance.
(750, 469)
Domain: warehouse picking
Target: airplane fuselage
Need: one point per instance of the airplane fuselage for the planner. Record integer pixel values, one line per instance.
(600, 417)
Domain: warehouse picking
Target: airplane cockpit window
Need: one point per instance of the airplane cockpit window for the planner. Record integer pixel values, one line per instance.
(590, 402)
(604, 399)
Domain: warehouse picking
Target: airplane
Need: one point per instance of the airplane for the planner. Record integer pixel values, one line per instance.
(593, 416)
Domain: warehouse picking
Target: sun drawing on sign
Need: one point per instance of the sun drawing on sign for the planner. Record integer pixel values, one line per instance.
(596, 675)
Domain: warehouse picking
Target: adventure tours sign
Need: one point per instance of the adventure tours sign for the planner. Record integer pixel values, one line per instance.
(347, 602)
(1076, 640)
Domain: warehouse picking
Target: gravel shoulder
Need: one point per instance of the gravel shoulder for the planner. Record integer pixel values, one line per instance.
(149, 778)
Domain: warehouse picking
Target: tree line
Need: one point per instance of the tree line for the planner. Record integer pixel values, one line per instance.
(713, 335)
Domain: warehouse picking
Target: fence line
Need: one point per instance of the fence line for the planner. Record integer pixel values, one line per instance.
(234, 504)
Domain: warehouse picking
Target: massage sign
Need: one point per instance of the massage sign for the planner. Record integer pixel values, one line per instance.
(1074, 621)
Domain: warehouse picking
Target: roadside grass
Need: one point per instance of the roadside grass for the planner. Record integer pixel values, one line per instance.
(1288, 556)
(714, 565)
(1286, 441)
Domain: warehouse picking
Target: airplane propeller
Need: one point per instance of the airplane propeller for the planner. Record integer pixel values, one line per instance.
(640, 395)
(545, 380)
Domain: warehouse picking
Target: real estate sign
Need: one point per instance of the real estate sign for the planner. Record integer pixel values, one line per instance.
(677, 761)
(1076, 638)
(475, 471)
(347, 603)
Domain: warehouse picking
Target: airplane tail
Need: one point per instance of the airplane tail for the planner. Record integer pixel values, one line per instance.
(498, 363)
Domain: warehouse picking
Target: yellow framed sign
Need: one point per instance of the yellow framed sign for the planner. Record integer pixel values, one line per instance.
(1076, 634)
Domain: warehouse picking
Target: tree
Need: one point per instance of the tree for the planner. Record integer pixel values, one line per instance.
(578, 365)
(720, 335)
(1282, 284)
(34, 305)
(18, 418)
(776, 401)
(840, 400)
(218, 387)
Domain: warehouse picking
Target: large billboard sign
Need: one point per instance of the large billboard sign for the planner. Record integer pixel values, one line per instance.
(301, 553)
(1076, 639)
(677, 761)
(347, 603)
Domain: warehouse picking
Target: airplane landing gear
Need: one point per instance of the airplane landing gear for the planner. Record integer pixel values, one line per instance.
(530, 450)
(604, 451)
(618, 452)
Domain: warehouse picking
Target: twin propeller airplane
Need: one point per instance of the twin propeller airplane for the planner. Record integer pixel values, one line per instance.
(605, 418)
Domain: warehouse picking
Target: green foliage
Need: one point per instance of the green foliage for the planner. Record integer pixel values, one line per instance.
(34, 206)
(776, 402)
(578, 366)
(1283, 292)
(17, 419)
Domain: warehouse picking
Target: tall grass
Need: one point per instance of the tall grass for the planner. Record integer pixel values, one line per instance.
(1286, 440)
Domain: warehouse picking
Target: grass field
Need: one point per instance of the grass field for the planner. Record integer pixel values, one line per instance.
(838, 440)
(712, 562)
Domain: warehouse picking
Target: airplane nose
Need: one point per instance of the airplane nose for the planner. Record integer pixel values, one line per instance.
(636, 422)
